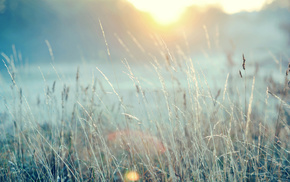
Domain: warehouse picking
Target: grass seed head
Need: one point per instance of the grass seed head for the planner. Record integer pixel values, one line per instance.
(244, 62)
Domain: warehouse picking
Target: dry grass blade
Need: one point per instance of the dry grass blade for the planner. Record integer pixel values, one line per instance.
(250, 109)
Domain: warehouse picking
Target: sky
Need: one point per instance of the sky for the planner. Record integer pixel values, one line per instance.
(168, 11)
(72, 28)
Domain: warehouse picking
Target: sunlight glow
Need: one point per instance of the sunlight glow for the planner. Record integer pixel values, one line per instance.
(230, 6)
(163, 11)
(169, 11)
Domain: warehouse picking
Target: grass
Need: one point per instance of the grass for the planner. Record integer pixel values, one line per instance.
(207, 134)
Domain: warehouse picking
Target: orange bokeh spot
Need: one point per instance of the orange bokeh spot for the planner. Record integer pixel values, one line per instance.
(132, 176)
(140, 141)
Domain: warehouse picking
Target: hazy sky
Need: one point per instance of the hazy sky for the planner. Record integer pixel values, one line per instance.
(72, 27)
(167, 11)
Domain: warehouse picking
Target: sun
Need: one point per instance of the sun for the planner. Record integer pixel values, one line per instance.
(164, 12)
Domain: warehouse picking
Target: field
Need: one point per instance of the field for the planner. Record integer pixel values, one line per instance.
(168, 120)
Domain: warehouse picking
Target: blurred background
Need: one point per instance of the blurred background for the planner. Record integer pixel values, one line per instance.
(45, 41)
(72, 30)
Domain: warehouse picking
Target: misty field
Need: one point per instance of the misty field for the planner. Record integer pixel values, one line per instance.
(152, 90)
(168, 120)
